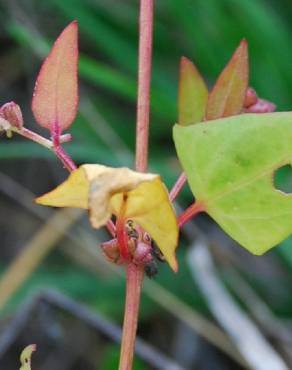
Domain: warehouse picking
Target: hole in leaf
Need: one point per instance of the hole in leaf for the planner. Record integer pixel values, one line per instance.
(283, 179)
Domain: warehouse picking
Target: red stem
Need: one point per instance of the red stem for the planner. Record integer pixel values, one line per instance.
(122, 235)
(59, 151)
(28, 134)
(177, 186)
(189, 213)
(144, 78)
(64, 158)
(135, 273)
(133, 285)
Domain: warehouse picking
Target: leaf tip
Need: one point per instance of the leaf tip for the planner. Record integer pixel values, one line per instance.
(184, 61)
(243, 43)
(241, 53)
(174, 264)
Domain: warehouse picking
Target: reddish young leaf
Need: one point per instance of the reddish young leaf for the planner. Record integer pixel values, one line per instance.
(55, 98)
(228, 94)
(192, 95)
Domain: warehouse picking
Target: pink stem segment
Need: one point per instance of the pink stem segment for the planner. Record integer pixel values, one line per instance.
(189, 213)
(177, 186)
(28, 134)
(59, 151)
(135, 273)
(134, 283)
(144, 78)
(64, 158)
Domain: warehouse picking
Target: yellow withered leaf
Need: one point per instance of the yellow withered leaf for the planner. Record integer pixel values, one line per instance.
(102, 190)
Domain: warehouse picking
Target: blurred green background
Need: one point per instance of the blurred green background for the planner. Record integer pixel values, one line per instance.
(207, 32)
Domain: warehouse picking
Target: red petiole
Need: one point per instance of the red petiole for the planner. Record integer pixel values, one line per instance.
(189, 213)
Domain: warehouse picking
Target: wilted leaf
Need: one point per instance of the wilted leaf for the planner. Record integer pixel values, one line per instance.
(228, 94)
(25, 357)
(192, 95)
(230, 165)
(101, 190)
(55, 98)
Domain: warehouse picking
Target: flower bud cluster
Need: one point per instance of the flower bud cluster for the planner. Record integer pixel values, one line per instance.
(139, 246)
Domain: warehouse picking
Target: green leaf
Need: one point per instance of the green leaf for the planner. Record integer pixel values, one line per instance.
(230, 164)
(228, 94)
(193, 94)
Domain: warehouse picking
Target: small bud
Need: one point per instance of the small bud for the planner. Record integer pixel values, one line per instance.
(250, 97)
(261, 106)
(111, 251)
(142, 253)
(11, 112)
(4, 124)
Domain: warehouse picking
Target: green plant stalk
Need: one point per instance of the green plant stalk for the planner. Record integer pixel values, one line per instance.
(135, 273)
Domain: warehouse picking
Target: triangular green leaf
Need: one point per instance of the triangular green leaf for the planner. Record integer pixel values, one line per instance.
(230, 165)
(192, 94)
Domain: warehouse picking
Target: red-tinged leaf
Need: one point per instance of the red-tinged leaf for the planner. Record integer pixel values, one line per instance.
(228, 94)
(55, 98)
(193, 94)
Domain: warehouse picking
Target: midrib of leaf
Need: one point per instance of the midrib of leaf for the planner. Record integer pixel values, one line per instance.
(56, 87)
(228, 92)
(226, 98)
(250, 217)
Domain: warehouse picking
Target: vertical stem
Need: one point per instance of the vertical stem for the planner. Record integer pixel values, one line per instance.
(135, 273)
(134, 283)
(144, 78)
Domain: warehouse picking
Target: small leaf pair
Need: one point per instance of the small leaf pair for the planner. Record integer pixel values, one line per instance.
(227, 96)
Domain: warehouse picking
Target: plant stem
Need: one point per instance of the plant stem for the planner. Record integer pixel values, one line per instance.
(28, 134)
(134, 284)
(144, 78)
(122, 235)
(189, 213)
(177, 186)
(65, 158)
(60, 153)
(135, 273)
